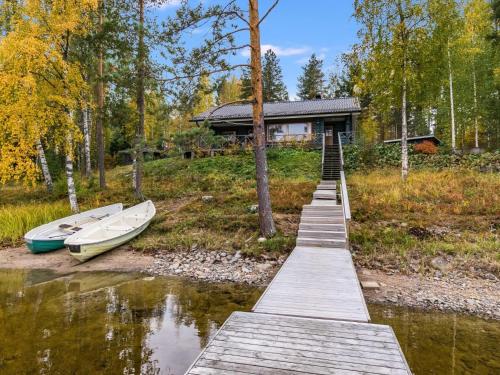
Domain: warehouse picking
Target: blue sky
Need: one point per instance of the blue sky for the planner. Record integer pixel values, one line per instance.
(297, 28)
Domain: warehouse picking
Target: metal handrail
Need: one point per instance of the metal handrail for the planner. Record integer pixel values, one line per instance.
(343, 185)
(323, 154)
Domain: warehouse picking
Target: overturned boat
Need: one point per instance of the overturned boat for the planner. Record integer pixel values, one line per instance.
(111, 232)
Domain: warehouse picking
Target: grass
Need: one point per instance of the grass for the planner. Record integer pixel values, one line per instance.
(448, 213)
(183, 220)
(452, 213)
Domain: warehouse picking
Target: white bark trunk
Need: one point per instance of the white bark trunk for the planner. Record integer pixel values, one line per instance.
(404, 132)
(73, 202)
(45, 167)
(134, 170)
(476, 126)
(452, 105)
(86, 141)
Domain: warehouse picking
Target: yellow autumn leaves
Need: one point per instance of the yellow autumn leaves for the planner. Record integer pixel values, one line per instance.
(40, 84)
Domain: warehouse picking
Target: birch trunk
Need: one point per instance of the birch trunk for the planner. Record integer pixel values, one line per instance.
(404, 131)
(266, 222)
(73, 202)
(476, 126)
(139, 131)
(86, 141)
(45, 167)
(452, 102)
(100, 105)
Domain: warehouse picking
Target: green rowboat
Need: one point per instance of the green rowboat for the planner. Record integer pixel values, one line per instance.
(51, 236)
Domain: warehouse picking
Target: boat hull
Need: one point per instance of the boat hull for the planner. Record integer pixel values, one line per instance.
(84, 252)
(41, 246)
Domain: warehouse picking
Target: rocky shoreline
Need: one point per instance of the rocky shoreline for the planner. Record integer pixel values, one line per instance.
(454, 292)
(213, 266)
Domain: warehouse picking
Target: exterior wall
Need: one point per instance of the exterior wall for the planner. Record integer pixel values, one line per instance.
(318, 130)
(347, 122)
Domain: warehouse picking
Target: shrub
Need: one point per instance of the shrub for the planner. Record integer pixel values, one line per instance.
(426, 147)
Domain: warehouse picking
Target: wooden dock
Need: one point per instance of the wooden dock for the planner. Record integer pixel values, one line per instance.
(312, 318)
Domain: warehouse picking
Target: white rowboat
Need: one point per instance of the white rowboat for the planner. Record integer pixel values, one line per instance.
(110, 232)
(51, 236)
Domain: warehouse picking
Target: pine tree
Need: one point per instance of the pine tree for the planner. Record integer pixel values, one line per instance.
(246, 85)
(274, 88)
(311, 82)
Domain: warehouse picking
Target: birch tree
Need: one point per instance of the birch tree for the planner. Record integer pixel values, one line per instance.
(40, 85)
(392, 35)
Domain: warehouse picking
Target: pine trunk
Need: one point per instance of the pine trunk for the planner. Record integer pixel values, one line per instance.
(45, 167)
(266, 222)
(86, 141)
(100, 105)
(73, 202)
(452, 102)
(139, 131)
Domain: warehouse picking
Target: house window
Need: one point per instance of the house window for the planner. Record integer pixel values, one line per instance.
(289, 132)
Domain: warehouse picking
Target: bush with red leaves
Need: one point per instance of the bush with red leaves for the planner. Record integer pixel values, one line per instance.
(426, 147)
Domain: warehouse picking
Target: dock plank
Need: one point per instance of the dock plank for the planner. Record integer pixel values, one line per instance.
(308, 270)
(292, 352)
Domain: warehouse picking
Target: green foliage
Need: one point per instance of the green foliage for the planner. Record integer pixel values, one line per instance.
(197, 139)
(274, 88)
(311, 82)
(357, 157)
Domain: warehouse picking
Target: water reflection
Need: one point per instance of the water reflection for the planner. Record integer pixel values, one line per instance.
(436, 343)
(92, 323)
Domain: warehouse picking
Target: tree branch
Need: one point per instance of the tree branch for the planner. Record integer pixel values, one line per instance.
(175, 78)
(268, 11)
(241, 101)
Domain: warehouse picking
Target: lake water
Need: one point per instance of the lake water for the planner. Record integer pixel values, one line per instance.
(116, 323)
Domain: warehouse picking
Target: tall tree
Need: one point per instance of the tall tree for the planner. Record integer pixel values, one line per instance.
(139, 132)
(246, 84)
(40, 95)
(226, 21)
(312, 81)
(100, 99)
(393, 35)
(274, 88)
(478, 26)
(266, 221)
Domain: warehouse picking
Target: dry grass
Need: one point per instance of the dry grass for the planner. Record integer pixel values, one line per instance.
(454, 212)
(183, 220)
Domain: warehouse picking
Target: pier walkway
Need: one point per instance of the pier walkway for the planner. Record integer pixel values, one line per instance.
(312, 318)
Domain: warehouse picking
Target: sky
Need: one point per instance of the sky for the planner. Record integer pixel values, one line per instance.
(296, 29)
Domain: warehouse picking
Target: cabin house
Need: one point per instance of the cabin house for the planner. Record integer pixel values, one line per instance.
(287, 121)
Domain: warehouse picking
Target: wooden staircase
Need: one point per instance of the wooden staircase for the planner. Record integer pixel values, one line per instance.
(331, 163)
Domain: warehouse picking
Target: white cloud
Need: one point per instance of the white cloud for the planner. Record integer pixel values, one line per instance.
(169, 4)
(279, 51)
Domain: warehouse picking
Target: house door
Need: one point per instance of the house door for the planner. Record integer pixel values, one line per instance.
(329, 135)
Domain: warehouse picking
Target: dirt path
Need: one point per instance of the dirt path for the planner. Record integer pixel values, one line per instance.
(60, 261)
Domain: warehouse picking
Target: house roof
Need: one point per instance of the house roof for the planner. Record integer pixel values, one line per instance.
(322, 107)
(422, 138)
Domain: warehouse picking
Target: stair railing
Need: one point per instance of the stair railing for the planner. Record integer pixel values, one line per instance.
(343, 191)
(323, 154)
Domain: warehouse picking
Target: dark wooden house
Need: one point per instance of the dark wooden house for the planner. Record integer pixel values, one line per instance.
(287, 121)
